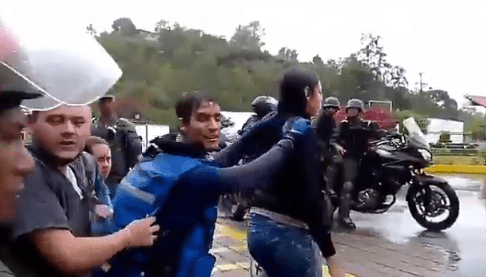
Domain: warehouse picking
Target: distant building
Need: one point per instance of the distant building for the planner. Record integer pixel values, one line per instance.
(150, 36)
(439, 126)
(148, 132)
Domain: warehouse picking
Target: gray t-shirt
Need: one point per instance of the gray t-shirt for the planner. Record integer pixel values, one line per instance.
(50, 201)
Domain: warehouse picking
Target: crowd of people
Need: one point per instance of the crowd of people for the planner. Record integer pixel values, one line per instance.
(81, 199)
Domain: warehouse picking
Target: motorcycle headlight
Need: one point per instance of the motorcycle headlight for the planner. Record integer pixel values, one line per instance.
(426, 155)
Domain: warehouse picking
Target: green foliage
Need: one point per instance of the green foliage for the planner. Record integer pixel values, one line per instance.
(158, 67)
(445, 137)
(125, 26)
(421, 119)
(248, 37)
(476, 128)
(482, 154)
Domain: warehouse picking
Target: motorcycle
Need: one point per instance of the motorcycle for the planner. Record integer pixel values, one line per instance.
(398, 160)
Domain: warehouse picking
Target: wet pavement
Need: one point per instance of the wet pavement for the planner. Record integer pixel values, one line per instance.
(464, 244)
(390, 244)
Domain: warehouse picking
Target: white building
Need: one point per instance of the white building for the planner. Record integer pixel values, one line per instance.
(438, 126)
(149, 131)
(239, 118)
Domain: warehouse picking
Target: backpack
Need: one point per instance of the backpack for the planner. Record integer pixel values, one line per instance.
(130, 141)
(144, 192)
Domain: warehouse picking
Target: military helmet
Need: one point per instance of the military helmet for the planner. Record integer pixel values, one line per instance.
(355, 103)
(263, 105)
(264, 99)
(331, 102)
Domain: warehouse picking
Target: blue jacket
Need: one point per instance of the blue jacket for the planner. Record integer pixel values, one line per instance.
(181, 188)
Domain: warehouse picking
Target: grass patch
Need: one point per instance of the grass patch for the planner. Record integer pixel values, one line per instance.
(459, 160)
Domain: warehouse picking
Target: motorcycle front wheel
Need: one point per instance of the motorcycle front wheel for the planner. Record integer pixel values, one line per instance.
(434, 206)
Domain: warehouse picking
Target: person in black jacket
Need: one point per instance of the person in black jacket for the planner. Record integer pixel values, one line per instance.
(288, 215)
(326, 129)
(354, 134)
(261, 106)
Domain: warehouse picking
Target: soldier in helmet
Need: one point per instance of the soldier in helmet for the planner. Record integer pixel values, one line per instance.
(354, 134)
(122, 137)
(326, 129)
(261, 106)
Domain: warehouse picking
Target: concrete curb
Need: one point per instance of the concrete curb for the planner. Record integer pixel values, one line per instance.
(457, 169)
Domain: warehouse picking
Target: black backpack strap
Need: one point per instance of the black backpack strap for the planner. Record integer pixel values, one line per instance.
(89, 164)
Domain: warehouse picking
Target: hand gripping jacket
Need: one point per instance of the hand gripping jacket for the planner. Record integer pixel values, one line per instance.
(187, 229)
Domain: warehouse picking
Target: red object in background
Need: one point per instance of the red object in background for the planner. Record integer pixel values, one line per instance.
(477, 100)
(126, 107)
(8, 43)
(382, 116)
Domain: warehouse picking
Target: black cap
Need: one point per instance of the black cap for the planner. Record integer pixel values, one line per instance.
(12, 99)
(107, 96)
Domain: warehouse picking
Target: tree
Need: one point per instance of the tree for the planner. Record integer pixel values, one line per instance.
(171, 39)
(445, 137)
(249, 36)
(438, 96)
(317, 60)
(294, 55)
(476, 128)
(422, 120)
(399, 99)
(373, 56)
(161, 25)
(91, 30)
(447, 106)
(287, 54)
(235, 72)
(125, 26)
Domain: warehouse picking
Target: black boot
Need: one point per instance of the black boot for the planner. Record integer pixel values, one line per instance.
(345, 207)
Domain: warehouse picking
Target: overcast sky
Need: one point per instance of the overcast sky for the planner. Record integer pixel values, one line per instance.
(443, 39)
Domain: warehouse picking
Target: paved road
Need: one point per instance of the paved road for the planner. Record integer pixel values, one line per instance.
(391, 244)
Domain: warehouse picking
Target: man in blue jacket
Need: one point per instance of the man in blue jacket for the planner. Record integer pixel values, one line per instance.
(180, 185)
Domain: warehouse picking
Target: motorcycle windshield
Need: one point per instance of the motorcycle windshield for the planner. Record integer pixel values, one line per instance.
(415, 136)
(65, 67)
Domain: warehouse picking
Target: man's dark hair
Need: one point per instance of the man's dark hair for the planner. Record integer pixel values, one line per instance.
(296, 85)
(92, 141)
(190, 103)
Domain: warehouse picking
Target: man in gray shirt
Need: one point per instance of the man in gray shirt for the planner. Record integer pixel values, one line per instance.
(54, 222)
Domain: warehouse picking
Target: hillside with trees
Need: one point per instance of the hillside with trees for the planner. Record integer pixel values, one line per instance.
(161, 64)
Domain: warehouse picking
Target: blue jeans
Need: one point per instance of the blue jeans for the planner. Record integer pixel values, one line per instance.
(282, 250)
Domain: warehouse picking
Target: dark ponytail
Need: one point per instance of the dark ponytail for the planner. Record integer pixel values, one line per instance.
(295, 87)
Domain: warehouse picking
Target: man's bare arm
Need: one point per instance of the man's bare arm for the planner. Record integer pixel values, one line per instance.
(75, 255)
